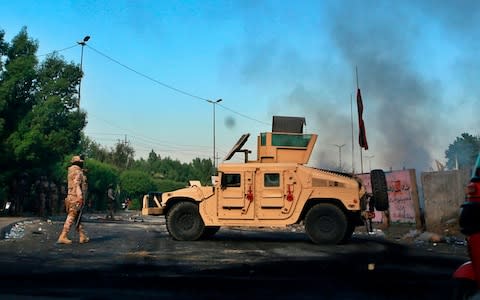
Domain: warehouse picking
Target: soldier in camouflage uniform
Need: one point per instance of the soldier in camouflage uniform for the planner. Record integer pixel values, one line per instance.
(110, 202)
(74, 200)
(53, 198)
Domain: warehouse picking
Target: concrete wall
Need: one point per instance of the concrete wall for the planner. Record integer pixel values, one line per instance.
(443, 193)
(402, 197)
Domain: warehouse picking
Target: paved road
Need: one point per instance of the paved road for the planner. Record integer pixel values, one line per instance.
(138, 259)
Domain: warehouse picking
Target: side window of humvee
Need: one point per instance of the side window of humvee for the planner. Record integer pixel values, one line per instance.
(231, 180)
(271, 180)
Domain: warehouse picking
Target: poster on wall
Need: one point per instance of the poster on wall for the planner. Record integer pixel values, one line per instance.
(400, 196)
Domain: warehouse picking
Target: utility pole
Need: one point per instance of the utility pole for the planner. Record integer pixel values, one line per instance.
(81, 43)
(339, 155)
(214, 103)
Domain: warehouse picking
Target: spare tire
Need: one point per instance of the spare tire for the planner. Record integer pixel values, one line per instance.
(379, 190)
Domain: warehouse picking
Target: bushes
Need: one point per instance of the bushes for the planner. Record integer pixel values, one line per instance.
(135, 204)
(99, 176)
(166, 185)
(136, 183)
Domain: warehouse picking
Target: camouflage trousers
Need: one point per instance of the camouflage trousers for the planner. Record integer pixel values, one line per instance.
(72, 206)
(110, 209)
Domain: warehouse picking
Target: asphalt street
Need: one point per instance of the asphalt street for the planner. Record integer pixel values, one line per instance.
(135, 257)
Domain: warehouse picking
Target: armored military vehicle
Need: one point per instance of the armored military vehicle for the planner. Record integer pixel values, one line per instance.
(275, 190)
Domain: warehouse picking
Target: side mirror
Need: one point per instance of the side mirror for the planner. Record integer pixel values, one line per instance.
(215, 180)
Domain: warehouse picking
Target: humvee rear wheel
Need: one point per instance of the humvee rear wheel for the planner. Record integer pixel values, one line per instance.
(379, 189)
(210, 231)
(326, 223)
(184, 222)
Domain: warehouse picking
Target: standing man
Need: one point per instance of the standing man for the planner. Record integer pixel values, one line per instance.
(110, 202)
(53, 196)
(74, 201)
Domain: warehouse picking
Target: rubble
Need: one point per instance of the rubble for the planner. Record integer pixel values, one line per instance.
(456, 241)
(375, 232)
(136, 218)
(430, 237)
(411, 235)
(419, 237)
(16, 232)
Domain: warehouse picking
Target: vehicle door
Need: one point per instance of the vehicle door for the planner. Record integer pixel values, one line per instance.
(276, 193)
(235, 199)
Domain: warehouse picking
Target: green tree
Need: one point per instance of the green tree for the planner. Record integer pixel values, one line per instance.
(153, 157)
(93, 150)
(136, 183)
(463, 151)
(3, 48)
(122, 155)
(39, 122)
(51, 128)
(17, 89)
(201, 169)
(167, 185)
(99, 176)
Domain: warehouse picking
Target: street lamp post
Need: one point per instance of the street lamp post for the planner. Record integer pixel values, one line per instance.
(81, 43)
(214, 103)
(339, 155)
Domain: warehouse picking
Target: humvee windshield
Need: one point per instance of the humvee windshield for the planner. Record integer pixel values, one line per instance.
(287, 140)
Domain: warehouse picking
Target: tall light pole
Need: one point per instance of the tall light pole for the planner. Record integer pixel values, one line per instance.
(81, 43)
(214, 103)
(339, 155)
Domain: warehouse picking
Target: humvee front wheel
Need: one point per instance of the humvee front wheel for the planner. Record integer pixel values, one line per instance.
(326, 223)
(184, 222)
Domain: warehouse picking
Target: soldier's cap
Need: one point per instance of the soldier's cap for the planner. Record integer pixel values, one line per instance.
(76, 159)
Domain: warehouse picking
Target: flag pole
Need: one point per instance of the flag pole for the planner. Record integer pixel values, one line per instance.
(361, 154)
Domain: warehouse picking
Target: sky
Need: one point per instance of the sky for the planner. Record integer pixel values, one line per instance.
(150, 68)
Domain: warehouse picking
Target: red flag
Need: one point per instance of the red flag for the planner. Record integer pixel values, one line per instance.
(362, 135)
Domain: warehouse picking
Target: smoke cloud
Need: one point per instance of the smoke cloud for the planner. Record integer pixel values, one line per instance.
(405, 114)
(401, 103)
(417, 71)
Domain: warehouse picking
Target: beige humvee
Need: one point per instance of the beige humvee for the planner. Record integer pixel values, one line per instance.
(276, 189)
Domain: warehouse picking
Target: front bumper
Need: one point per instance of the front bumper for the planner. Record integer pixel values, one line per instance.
(152, 204)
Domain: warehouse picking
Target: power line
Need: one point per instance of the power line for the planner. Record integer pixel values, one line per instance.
(146, 76)
(143, 137)
(147, 147)
(56, 51)
(156, 81)
(147, 139)
(152, 143)
(240, 114)
(171, 87)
